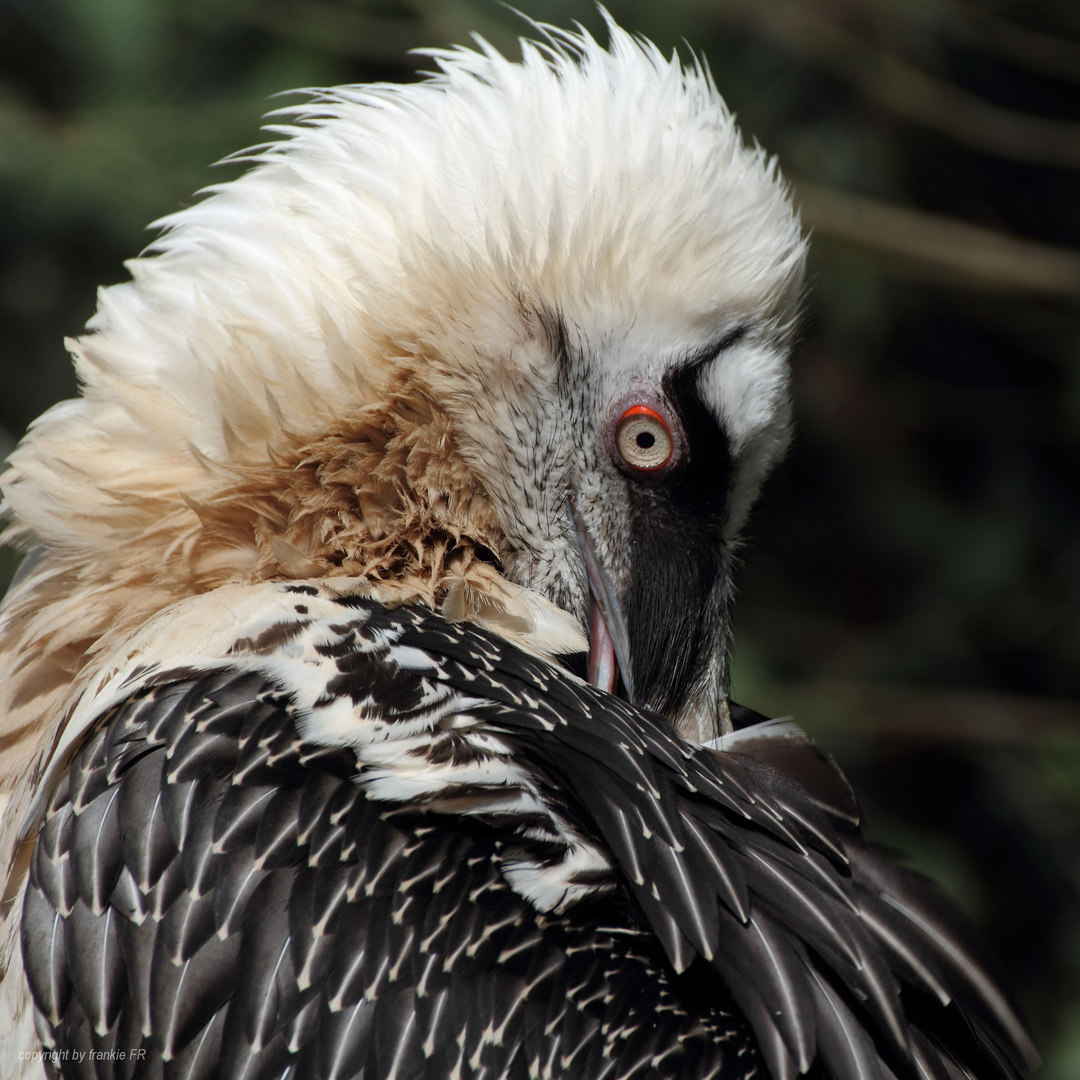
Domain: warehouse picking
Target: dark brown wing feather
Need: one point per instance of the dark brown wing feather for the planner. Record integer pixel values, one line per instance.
(220, 898)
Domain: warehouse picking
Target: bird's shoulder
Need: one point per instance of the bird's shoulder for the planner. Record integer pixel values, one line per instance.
(317, 821)
(216, 890)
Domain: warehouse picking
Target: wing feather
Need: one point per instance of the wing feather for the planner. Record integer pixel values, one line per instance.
(309, 858)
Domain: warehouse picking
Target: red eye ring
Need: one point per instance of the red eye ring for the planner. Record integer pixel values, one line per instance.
(643, 440)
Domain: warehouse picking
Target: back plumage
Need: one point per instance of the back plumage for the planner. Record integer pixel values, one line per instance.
(366, 686)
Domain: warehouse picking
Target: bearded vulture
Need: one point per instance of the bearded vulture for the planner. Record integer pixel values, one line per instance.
(365, 686)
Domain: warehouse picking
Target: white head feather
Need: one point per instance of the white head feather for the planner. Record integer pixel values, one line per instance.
(611, 185)
(424, 227)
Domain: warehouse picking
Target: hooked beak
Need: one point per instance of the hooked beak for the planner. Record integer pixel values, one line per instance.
(609, 642)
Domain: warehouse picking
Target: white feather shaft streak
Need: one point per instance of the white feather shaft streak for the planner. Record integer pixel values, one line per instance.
(210, 631)
(987, 988)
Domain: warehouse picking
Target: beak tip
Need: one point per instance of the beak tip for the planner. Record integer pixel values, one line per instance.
(609, 641)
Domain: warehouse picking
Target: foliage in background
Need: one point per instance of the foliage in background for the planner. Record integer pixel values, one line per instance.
(911, 592)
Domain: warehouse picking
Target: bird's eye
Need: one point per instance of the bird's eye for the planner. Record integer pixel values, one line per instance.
(643, 439)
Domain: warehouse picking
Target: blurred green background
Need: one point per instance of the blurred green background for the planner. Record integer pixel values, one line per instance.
(911, 589)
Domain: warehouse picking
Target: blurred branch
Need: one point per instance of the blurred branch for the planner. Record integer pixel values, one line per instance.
(933, 716)
(908, 92)
(1014, 44)
(976, 28)
(339, 31)
(329, 28)
(976, 255)
(131, 162)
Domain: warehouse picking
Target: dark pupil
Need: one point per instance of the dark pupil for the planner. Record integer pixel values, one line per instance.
(645, 439)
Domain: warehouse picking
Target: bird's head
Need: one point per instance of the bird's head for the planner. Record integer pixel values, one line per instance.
(522, 322)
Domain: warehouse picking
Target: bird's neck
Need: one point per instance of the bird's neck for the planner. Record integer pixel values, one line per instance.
(379, 497)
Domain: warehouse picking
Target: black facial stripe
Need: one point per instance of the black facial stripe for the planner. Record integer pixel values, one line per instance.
(566, 359)
(711, 351)
(671, 619)
(699, 487)
(673, 606)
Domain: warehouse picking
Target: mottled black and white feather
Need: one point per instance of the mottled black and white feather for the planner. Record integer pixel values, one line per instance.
(380, 845)
(506, 350)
